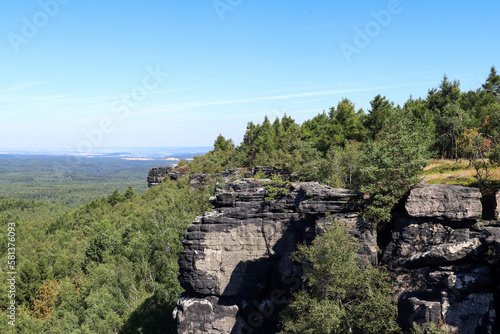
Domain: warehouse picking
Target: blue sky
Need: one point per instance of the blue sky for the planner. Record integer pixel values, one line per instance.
(78, 75)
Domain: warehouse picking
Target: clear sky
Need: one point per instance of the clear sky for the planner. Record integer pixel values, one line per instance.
(80, 74)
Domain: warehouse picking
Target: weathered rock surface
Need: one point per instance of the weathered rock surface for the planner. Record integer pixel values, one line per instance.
(497, 204)
(206, 315)
(238, 276)
(439, 253)
(157, 175)
(451, 202)
(444, 253)
(240, 252)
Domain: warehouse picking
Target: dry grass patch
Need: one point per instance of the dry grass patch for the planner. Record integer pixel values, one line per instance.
(455, 172)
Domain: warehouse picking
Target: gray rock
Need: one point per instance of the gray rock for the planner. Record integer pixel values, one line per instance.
(473, 314)
(156, 175)
(444, 253)
(314, 198)
(241, 250)
(497, 204)
(411, 236)
(209, 315)
(237, 272)
(414, 309)
(444, 201)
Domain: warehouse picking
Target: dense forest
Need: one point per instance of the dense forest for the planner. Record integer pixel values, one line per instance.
(110, 266)
(70, 180)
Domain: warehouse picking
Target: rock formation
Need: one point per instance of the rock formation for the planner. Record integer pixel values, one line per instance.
(157, 175)
(442, 254)
(236, 266)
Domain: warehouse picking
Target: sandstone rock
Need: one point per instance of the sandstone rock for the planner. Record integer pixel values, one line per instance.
(444, 253)
(411, 236)
(414, 309)
(237, 272)
(444, 201)
(462, 278)
(209, 315)
(492, 237)
(241, 250)
(156, 175)
(473, 314)
(313, 198)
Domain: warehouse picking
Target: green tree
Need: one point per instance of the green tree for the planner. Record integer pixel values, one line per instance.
(129, 193)
(452, 122)
(392, 163)
(348, 120)
(342, 296)
(346, 162)
(221, 144)
(320, 132)
(380, 113)
(492, 84)
(448, 93)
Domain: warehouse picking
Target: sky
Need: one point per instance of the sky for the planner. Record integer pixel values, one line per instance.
(81, 75)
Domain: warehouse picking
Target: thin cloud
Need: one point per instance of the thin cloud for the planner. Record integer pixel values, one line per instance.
(177, 107)
(110, 97)
(23, 86)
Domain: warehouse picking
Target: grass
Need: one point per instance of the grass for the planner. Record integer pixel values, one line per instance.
(446, 171)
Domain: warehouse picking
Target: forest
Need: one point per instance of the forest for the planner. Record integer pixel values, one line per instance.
(70, 180)
(92, 259)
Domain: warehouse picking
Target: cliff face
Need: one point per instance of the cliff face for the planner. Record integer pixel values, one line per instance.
(236, 266)
(444, 258)
(237, 272)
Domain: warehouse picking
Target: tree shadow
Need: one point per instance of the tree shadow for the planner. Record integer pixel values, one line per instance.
(153, 316)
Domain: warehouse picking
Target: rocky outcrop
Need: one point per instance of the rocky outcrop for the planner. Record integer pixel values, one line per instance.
(440, 256)
(237, 273)
(236, 259)
(452, 202)
(157, 175)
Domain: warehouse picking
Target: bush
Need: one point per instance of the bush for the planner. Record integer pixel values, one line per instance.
(342, 296)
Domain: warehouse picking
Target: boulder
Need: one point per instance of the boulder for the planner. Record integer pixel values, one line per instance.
(474, 313)
(444, 201)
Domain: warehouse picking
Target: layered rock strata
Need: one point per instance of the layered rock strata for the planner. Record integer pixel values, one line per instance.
(442, 256)
(236, 267)
(237, 272)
